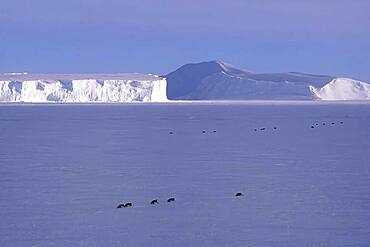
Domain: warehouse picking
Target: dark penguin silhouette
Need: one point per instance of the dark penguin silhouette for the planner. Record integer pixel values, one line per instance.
(316, 124)
(255, 129)
(341, 122)
(203, 131)
(332, 123)
(323, 123)
(171, 133)
(238, 194)
(172, 199)
(262, 128)
(125, 205)
(275, 128)
(154, 202)
(214, 131)
(312, 127)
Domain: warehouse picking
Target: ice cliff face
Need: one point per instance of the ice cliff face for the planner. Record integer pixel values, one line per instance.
(216, 80)
(82, 88)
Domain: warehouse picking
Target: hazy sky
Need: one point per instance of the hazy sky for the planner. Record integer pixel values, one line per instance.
(157, 36)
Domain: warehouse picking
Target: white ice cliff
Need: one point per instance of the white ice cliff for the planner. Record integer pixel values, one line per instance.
(82, 88)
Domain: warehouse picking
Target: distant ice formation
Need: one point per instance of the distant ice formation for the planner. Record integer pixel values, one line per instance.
(82, 88)
(16, 73)
(213, 80)
(216, 80)
(343, 89)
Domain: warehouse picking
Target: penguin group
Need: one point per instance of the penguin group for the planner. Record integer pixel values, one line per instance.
(152, 202)
(324, 124)
(274, 128)
(156, 201)
(264, 128)
(203, 132)
(125, 205)
(215, 131)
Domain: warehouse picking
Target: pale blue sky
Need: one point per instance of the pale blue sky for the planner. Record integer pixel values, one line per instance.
(157, 36)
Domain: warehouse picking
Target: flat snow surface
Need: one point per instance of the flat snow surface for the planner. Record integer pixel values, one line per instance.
(64, 169)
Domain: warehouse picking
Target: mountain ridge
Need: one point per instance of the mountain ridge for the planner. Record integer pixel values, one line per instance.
(217, 80)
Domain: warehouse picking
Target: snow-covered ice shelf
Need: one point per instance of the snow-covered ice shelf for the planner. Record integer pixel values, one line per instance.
(87, 88)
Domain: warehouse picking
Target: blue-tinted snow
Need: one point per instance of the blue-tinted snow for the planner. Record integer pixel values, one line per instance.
(64, 169)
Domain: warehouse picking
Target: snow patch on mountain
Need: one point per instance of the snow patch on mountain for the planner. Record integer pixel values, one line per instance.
(343, 89)
(82, 89)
